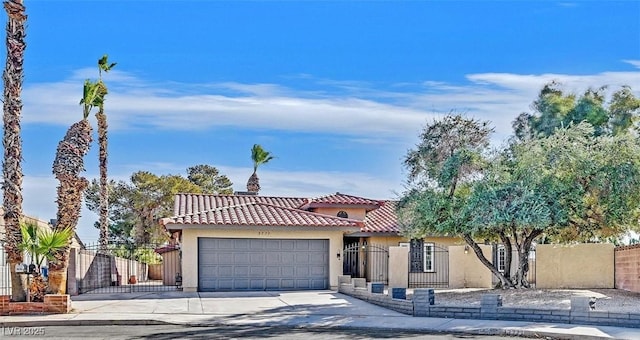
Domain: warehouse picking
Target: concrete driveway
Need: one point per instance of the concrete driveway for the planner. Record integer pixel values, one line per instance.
(236, 307)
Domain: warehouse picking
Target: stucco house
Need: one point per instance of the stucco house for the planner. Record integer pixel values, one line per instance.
(253, 242)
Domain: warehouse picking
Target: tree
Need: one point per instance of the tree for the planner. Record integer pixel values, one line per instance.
(40, 245)
(12, 142)
(67, 167)
(570, 186)
(259, 156)
(554, 109)
(103, 65)
(136, 206)
(209, 179)
(442, 168)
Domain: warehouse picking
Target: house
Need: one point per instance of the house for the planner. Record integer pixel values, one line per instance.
(252, 242)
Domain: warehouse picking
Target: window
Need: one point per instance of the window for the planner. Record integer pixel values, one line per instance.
(501, 258)
(428, 257)
(421, 256)
(343, 214)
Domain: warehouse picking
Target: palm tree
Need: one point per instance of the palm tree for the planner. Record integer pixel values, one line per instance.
(103, 65)
(41, 244)
(258, 156)
(12, 168)
(67, 166)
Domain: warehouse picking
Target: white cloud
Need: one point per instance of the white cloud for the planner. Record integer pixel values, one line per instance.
(635, 63)
(339, 107)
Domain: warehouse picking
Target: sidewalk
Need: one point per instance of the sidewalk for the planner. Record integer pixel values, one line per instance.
(313, 309)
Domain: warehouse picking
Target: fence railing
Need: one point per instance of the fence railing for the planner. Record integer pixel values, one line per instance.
(125, 268)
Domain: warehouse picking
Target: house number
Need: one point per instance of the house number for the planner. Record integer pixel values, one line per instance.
(264, 233)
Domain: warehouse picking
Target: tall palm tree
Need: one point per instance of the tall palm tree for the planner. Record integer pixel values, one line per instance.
(259, 156)
(12, 168)
(103, 65)
(67, 166)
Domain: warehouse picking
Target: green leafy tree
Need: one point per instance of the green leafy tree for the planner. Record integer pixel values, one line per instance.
(209, 179)
(259, 156)
(136, 206)
(570, 186)
(554, 108)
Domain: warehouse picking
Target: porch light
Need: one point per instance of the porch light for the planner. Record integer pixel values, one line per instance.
(338, 256)
(466, 249)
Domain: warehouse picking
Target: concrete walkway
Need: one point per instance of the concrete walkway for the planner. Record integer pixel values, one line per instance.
(323, 309)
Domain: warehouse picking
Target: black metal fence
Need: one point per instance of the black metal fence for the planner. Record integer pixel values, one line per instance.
(428, 265)
(5, 273)
(370, 261)
(123, 268)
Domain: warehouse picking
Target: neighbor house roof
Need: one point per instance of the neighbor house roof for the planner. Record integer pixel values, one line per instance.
(254, 210)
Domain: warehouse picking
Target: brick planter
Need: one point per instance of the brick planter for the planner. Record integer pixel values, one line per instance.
(53, 304)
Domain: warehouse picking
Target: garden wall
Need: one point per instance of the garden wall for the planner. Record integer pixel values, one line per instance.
(627, 268)
(587, 265)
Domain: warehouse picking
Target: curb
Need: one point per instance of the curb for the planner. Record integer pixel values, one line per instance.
(511, 332)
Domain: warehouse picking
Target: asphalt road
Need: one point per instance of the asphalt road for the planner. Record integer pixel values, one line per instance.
(162, 332)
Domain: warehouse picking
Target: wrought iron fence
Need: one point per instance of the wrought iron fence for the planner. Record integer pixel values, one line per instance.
(5, 273)
(428, 265)
(123, 268)
(370, 261)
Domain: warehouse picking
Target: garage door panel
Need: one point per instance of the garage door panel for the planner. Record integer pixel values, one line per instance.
(262, 264)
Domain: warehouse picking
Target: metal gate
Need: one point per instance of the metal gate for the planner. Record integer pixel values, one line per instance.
(369, 261)
(428, 265)
(124, 268)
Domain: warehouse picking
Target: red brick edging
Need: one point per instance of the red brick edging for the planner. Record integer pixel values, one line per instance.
(53, 304)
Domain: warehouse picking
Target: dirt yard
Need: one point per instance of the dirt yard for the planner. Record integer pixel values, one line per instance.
(607, 299)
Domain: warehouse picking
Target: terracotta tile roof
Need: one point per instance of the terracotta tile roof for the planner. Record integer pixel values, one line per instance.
(339, 199)
(248, 210)
(383, 219)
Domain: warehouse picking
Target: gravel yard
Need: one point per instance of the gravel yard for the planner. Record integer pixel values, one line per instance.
(607, 299)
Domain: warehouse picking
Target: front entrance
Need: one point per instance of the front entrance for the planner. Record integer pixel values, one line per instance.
(364, 260)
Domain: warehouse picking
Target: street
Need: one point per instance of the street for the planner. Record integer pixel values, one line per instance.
(161, 332)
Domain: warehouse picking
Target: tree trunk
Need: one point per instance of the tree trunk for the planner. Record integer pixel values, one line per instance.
(12, 169)
(506, 283)
(520, 280)
(253, 184)
(58, 273)
(508, 250)
(104, 194)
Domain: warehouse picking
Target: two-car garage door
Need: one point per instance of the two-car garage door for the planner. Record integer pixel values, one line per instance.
(262, 264)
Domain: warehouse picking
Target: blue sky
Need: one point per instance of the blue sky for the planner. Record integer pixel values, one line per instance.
(337, 91)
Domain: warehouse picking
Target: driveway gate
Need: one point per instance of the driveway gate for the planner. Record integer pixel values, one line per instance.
(124, 268)
(369, 261)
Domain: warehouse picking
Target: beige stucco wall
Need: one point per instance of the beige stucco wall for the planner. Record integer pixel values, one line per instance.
(575, 266)
(190, 248)
(398, 265)
(396, 240)
(353, 213)
(466, 270)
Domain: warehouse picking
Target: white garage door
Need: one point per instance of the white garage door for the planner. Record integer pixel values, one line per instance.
(262, 264)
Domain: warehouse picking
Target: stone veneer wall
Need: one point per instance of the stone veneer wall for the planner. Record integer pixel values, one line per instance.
(627, 268)
(491, 309)
(53, 304)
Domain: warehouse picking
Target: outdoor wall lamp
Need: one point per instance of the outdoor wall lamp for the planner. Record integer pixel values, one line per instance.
(338, 256)
(466, 249)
